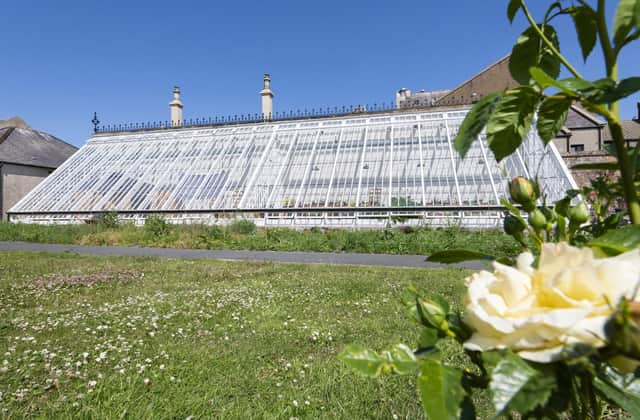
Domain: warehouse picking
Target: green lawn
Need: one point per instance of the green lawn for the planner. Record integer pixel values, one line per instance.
(241, 235)
(99, 337)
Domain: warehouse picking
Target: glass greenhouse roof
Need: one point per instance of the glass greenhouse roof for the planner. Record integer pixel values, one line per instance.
(369, 162)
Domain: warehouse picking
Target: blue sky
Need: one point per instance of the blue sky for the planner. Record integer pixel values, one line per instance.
(63, 60)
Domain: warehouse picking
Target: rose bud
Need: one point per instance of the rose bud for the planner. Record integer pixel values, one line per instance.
(523, 191)
(579, 214)
(513, 225)
(434, 313)
(537, 219)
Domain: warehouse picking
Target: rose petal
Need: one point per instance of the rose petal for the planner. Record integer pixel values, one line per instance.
(547, 355)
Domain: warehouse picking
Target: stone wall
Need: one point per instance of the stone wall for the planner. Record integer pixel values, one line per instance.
(17, 181)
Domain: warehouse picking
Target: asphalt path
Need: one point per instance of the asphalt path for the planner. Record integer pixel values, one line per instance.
(385, 260)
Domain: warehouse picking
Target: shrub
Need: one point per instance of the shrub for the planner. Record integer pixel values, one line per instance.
(108, 220)
(156, 226)
(243, 227)
(209, 235)
(214, 232)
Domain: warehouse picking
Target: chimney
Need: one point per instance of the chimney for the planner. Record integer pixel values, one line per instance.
(267, 99)
(638, 116)
(401, 97)
(176, 108)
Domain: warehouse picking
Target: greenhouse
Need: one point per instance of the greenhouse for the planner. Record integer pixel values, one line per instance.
(356, 170)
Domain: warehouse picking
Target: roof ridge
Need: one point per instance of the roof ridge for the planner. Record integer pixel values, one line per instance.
(52, 137)
(586, 114)
(6, 134)
(481, 72)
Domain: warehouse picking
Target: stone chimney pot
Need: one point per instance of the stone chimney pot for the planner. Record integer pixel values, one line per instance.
(176, 108)
(267, 98)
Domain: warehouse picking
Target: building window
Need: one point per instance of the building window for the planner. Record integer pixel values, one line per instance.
(577, 147)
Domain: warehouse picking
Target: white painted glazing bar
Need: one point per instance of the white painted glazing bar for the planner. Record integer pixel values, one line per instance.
(258, 168)
(361, 167)
(424, 197)
(486, 163)
(307, 168)
(283, 165)
(453, 163)
(214, 161)
(390, 168)
(218, 204)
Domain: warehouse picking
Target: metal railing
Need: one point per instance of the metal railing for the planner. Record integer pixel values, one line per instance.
(313, 113)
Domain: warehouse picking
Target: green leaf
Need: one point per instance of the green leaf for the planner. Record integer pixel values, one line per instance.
(511, 120)
(601, 91)
(512, 9)
(441, 390)
(428, 338)
(517, 386)
(571, 85)
(490, 359)
(364, 361)
(600, 166)
(399, 359)
(619, 240)
(623, 390)
(506, 261)
(551, 116)
(513, 209)
(542, 78)
(561, 228)
(548, 16)
(474, 122)
(624, 20)
(618, 91)
(529, 51)
(458, 255)
(409, 295)
(585, 21)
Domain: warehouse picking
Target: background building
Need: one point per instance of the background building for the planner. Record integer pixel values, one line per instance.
(582, 131)
(27, 156)
(582, 139)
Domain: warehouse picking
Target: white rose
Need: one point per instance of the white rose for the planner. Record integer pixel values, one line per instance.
(536, 312)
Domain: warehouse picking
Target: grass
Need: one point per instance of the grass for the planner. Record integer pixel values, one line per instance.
(244, 235)
(108, 337)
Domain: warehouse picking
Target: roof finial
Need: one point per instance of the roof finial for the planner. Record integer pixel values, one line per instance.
(95, 122)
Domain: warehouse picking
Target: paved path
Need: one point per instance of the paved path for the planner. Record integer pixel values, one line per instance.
(271, 256)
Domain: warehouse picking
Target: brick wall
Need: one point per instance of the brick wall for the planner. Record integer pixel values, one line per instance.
(582, 177)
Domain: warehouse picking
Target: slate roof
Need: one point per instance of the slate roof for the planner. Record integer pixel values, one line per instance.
(25, 146)
(630, 129)
(581, 118)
